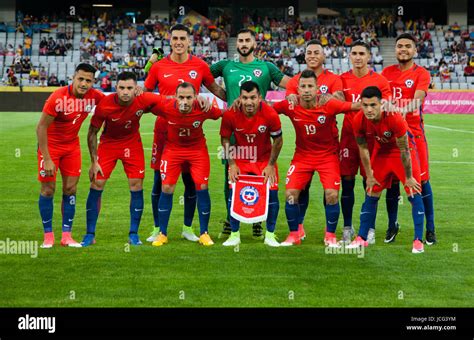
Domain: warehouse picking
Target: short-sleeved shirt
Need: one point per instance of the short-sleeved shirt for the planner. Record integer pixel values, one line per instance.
(235, 73)
(185, 130)
(69, 113)
(327, 81)
(385, 132)
(404, 84)
(122, 123)
(167, 75)
(353, 85)
(252, 132)
(314, 127)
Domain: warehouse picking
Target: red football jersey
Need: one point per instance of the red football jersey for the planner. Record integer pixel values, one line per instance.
(404, 84)
(385, 132)
(122, 123)
(69, 113)
(353, 85)
(252, 132)
(167, 75)
(314, 127)
(185, 130)
(327, 81)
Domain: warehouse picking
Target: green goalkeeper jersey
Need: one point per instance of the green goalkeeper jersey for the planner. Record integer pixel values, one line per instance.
(235, 73)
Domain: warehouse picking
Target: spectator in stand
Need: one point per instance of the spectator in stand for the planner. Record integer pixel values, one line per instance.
(43, 77)
(99, 57)
(141, 51)
(10, 50)
(34, 75)
(113, 74)
(53, 80)
(469, 71)
(377, 58)
(133, 51)
(449, 35)
(150, 39)
(27, 43)
(12, 79)
(455, 28)
(106, 84)
(132, 34)
(26, 65)
(430, 25)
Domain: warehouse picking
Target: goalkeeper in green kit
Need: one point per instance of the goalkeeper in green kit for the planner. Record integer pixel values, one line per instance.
(234, 74)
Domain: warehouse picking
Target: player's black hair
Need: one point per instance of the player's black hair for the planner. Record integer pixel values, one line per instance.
(127, 76)
(314, 42)
(308, 74)
(246, 30)
(86, 68)
(371, 91)
(180, 27)
(249, 86)
(186, 85)
(406, 36)
(360, 43)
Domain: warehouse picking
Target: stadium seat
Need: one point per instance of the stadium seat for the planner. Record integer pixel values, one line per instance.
(470, 80)
(463, 86)
(454, 86)
(446, 86)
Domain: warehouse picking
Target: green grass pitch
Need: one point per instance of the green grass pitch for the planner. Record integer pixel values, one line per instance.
(184, 274)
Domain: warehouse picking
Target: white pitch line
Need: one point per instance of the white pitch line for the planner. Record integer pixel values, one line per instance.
(447, 129)
(448, 162)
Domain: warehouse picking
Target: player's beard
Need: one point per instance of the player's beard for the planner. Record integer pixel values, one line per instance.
(249, 52)
(184, 108)
(404, 61)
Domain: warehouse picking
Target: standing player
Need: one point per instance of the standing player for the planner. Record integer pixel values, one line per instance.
(328, 83)
(354, 81)
(120, 140)
(252, 126)
(409, 83)
(316, 150)
(185, 145)
(394, 154)
(59, 148)
(235, 73)
(167, 74)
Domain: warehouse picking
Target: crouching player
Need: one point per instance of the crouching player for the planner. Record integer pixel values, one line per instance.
(185, 146)
(120, 140)
(252, 126)
(316, 150)
(394, 156)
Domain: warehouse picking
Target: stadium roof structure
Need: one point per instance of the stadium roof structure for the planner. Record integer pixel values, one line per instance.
(328, 12)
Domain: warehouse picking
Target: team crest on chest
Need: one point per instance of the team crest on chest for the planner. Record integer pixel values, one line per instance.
(324, 89)
(88, 108)
(322, 119)
(262, 128)
(139, 113)
(387, 134)
(193, 74)
(409, 83)
(196, 124)
(257, 72)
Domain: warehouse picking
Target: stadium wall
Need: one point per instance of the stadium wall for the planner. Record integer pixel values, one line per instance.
(457, 12)
(7, 10)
